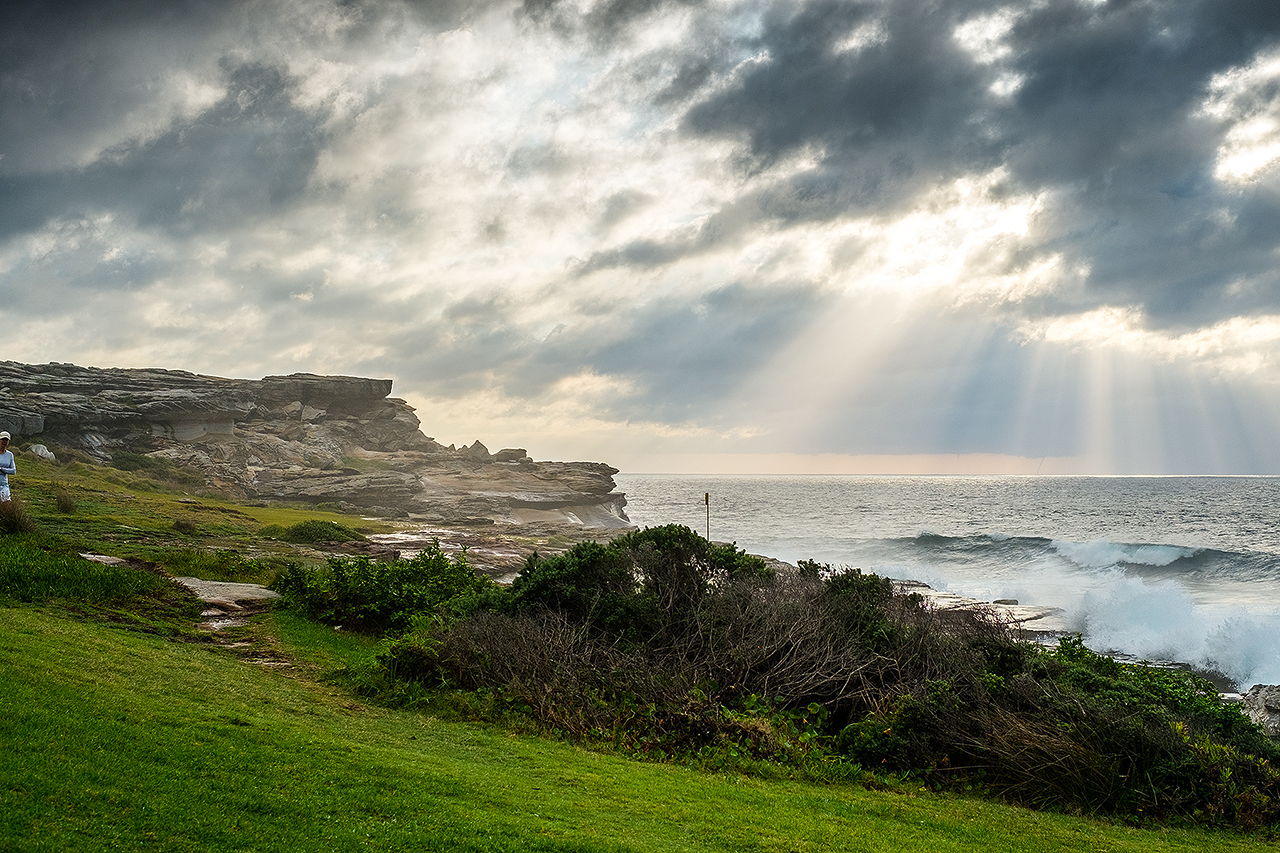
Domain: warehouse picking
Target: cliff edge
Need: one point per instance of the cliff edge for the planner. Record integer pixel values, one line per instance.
(299, 438)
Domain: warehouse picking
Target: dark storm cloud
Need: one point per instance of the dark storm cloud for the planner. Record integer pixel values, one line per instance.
(1105, 118)
(246, 157)
(496, 196)
(809, 197)
(70, 70)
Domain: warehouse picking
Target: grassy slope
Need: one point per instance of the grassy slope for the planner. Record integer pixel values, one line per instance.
(121, 741)
(129, 514)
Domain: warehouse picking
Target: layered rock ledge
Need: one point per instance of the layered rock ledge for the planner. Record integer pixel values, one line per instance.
(339, 440)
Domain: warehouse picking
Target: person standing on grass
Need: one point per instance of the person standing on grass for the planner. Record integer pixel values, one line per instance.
(6, 466)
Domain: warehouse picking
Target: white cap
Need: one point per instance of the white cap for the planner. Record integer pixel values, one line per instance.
(4, 433)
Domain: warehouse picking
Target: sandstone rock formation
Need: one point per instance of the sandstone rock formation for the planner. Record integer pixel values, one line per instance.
(1262, 704)
(302, 437)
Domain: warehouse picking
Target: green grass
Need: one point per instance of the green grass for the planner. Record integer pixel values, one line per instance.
(111, 740)
(39, 568)
(128, 514)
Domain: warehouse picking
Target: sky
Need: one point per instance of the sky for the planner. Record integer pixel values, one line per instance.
(769, 236)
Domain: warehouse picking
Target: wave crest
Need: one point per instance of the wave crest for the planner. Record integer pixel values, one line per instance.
(1100, 553)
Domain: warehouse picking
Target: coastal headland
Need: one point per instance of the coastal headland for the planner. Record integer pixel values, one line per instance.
(340, 442)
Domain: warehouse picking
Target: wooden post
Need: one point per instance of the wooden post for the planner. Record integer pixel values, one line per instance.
(706, 498)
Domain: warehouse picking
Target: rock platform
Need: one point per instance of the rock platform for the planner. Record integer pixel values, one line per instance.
(1029, 618)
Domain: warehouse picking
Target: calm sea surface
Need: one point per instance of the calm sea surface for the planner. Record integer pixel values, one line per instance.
(1164, 568)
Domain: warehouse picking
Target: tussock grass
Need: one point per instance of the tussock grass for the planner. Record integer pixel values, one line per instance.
(63, 499)
(14, 517)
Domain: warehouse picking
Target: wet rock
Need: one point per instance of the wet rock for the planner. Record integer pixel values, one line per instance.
(372, 550)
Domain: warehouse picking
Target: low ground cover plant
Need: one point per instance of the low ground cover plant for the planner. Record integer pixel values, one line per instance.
(221, 565)
(668, 645)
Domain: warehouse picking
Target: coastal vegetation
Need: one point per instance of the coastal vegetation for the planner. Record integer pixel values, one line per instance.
(653, 692)
(665, 645)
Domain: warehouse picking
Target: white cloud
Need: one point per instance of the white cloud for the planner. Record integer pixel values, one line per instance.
(1246, 99)
(1240, 345)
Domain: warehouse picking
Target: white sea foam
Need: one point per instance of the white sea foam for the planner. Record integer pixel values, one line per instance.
(1119, 613)
(1162, 622)
(1100, 553)
(1247, 648)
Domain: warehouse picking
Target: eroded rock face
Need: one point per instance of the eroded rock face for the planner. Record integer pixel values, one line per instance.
(301, 437)
(1262, 704)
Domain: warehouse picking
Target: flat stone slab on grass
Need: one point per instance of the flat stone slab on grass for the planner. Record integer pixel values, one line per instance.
(104, 559)
(226, 591)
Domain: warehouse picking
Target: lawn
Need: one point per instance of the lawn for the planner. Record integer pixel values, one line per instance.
(118, 740)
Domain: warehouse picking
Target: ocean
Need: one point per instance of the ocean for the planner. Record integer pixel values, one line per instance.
(1170, 569)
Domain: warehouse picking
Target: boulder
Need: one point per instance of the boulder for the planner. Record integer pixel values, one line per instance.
(43, 452)
(1262, 704)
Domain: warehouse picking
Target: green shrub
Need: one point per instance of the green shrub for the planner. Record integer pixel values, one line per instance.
(312, 530)
(667, 645)
(1161, 695)
(590, 583)
(375, 597)
(648, 582)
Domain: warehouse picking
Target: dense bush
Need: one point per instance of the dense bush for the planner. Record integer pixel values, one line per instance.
(376, 597)
(649, 583)
(668, 644)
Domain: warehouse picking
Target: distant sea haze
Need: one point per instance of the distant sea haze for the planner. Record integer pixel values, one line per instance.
(1182, 569)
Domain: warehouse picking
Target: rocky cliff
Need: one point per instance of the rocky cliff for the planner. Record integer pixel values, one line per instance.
(307, 438)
